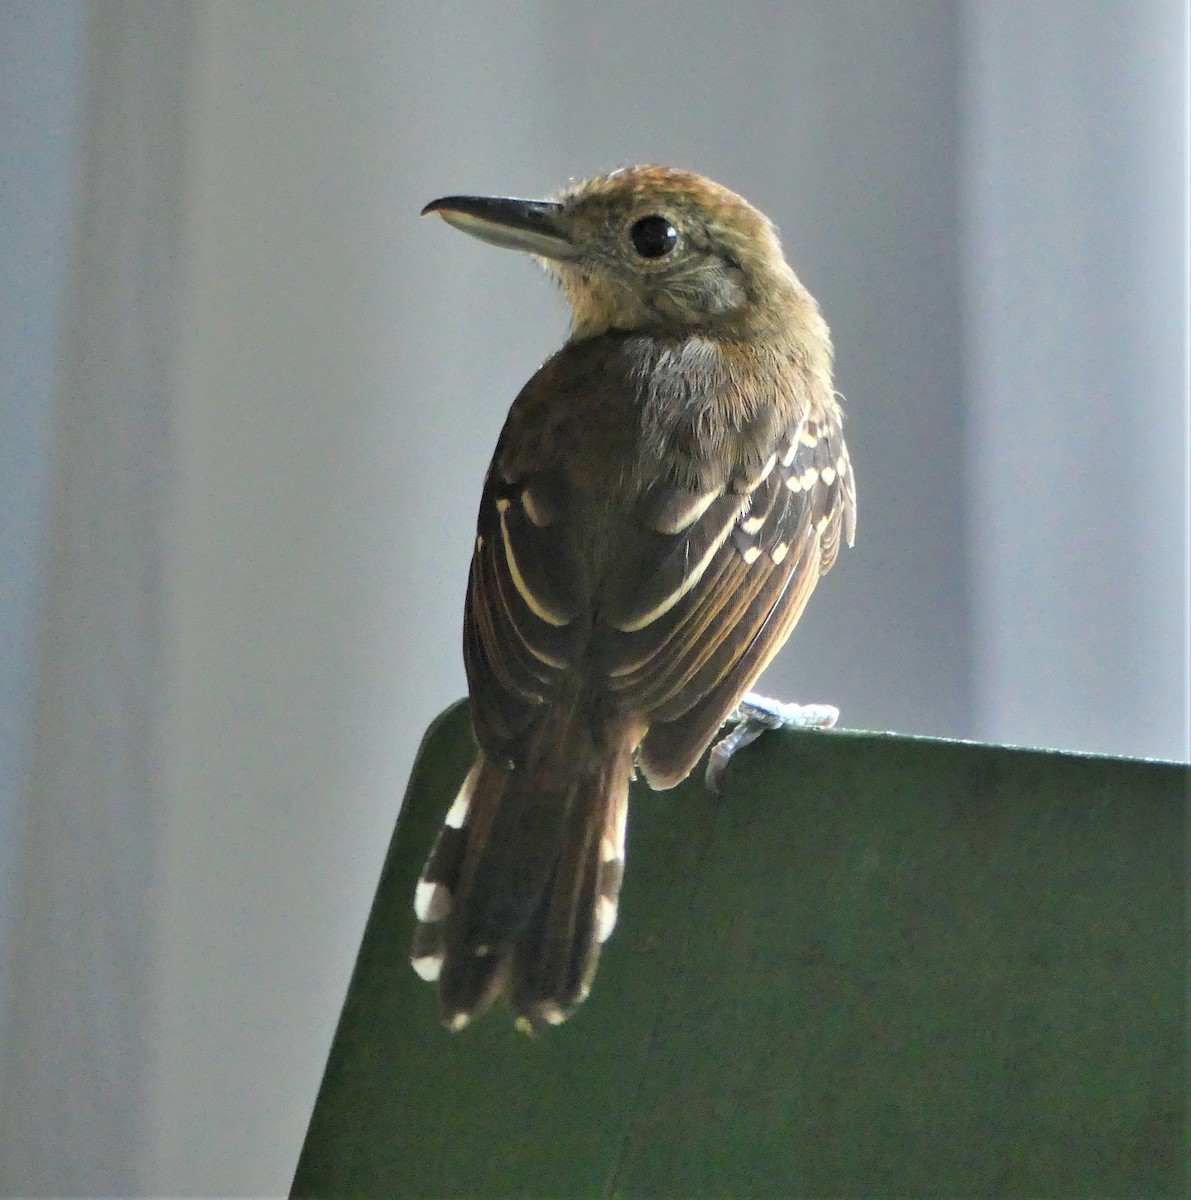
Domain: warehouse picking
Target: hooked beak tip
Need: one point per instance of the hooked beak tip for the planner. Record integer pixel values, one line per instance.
(435, 206)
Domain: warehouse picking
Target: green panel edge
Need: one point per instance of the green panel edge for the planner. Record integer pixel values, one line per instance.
(876, 966)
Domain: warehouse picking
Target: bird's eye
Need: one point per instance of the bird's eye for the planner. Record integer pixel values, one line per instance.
(653, 236)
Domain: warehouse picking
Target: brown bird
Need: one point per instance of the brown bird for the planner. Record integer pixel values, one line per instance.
(666, 492)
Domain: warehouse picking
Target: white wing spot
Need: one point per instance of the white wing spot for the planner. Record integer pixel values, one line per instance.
(428, 966)
(807, 438)
(808, 477)
(827, 475)
(779, 552)
(753, 524)
(502, 505)
(841, 466)
(432, 901)
(457, 813)
(605, 918)
(794, 483)
(751, 555)
(788, 457)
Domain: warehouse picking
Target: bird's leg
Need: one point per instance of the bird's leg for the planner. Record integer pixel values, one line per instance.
(753, 716)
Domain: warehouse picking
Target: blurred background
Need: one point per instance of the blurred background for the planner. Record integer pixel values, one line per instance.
(248, 398)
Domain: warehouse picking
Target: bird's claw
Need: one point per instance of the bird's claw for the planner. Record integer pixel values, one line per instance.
(752, 717)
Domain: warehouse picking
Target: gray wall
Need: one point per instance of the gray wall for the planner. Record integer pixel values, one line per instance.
(1075, 212)
(42, 72)
(277, 392)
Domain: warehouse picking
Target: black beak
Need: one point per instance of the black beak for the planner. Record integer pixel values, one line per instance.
(532, 225)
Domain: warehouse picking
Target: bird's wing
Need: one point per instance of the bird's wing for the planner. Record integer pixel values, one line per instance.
(711, 585)
(525, 618)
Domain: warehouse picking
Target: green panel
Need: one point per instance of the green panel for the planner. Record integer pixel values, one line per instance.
(408, 1109)
(877, 966)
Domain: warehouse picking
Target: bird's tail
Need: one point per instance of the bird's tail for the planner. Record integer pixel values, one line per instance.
(520, 890)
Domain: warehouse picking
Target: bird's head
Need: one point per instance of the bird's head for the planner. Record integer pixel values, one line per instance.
(649, 249)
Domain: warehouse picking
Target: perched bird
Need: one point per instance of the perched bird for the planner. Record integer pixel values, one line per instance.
(664, 496)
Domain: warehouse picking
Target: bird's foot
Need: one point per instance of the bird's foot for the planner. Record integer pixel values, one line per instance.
(753, 716)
